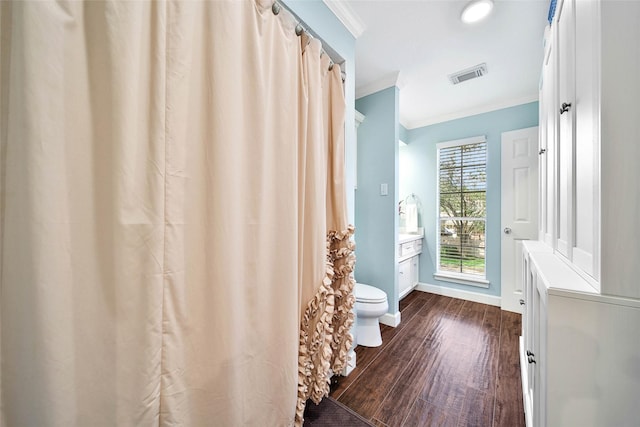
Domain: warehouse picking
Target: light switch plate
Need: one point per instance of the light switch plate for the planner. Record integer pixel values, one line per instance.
(384, 189)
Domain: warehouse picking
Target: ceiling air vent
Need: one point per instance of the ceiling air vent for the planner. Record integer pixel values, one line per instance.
(468, 74)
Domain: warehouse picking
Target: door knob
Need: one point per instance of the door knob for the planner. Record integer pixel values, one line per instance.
(565, 107)
(507, 230)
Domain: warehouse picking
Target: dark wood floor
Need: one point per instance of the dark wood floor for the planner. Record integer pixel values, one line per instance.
(449, 363)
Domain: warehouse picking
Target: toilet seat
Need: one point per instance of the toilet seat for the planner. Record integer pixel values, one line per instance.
(369, 294)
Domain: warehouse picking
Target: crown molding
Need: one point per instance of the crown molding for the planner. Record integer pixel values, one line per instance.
(413, 124)
(385, 82)
(347, 16)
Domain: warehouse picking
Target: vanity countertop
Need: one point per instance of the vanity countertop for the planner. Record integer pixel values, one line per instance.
(404, 238)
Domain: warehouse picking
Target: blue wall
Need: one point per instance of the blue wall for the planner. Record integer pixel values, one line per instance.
(376, 215)
(404, 134)
(418, 175)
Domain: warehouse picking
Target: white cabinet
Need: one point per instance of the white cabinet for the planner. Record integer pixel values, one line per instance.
(579, 349)
(590, 142)
(404, 277)
(565, 47)
(569, 142)
(547, 132)
(587, 140)
(580, 346)
(533, 340)
(578, 143)
(409, 250)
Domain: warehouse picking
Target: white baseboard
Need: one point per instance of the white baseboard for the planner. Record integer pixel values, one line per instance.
(458, 293)
(389, 319)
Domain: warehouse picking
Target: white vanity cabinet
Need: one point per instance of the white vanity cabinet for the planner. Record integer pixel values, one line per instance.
(409, 250)
(580, 346)
(579, 350)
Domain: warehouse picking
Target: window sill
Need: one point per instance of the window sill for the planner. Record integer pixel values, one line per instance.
(463, 279)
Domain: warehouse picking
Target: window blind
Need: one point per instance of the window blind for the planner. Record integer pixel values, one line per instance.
(462, 188)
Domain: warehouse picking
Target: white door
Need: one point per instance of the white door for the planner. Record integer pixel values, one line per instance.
(519, 200)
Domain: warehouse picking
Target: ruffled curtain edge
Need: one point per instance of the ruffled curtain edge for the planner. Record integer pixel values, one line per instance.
(325, 328)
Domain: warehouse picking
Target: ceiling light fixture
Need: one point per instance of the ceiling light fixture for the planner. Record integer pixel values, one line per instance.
(476, 11)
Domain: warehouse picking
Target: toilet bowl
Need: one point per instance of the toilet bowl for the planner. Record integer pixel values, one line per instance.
(371, 303)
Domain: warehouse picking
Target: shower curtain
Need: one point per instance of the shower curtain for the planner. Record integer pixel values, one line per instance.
(174, 247)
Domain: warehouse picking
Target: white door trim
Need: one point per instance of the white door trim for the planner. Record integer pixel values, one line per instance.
(519, 209)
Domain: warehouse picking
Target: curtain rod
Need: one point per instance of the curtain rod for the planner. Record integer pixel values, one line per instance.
(300, 29)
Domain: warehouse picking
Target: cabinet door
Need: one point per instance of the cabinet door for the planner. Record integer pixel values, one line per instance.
(415, 270)
(528, 319)
(548, 137)
(587, 137)
(532, 369)
(566, 95)
(527, 312)
(404, 277)
(542, 166)
(540, 357)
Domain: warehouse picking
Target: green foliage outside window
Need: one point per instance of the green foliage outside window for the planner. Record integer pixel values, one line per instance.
(463, 207)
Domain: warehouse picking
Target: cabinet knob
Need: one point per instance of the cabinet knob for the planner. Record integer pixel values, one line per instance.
(521, 302)
(565, 107)
(531, 359)
(507, 230)
(542, 151)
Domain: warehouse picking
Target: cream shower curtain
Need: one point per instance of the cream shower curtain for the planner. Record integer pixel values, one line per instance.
(174, 247)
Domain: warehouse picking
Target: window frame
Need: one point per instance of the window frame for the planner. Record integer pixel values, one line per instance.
(461, 278)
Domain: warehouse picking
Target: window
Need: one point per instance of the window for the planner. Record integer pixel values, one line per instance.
(462, 210)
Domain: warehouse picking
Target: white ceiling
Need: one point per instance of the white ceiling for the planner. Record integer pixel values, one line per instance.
(417, 44)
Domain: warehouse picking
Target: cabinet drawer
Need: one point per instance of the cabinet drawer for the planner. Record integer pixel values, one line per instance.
(406, 248)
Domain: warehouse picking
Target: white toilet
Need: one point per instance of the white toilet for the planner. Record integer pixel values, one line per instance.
(371, 303)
